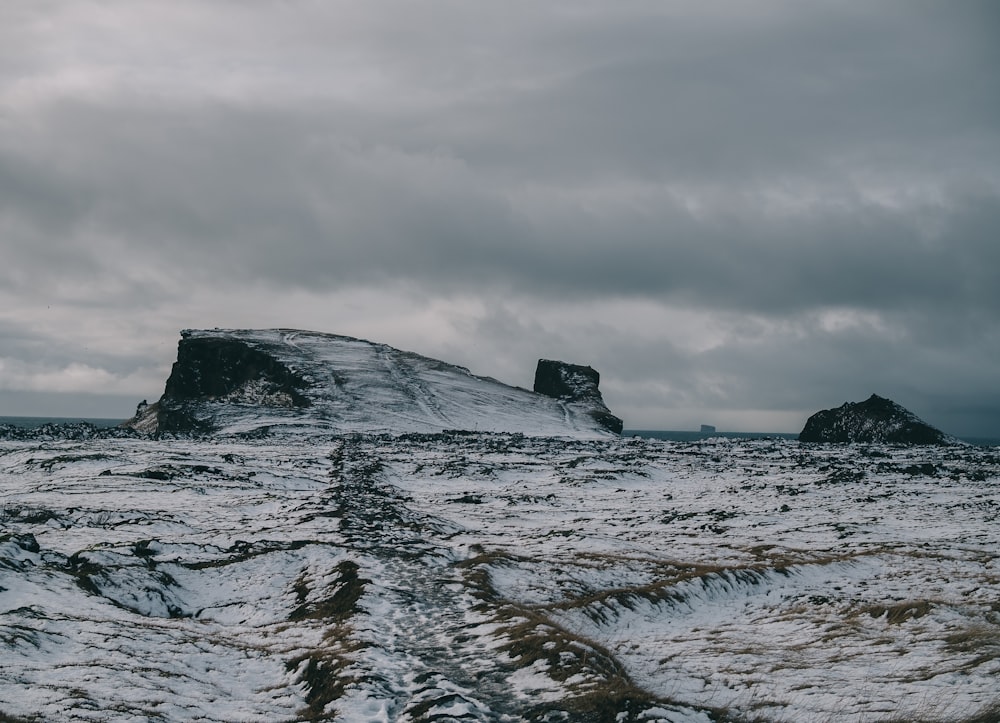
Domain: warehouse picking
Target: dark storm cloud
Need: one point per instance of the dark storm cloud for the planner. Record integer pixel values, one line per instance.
(241, 195)
(739, 96)
(766, 166)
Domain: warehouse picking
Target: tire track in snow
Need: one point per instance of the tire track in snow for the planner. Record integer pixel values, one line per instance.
(568, 416)
(408, 382)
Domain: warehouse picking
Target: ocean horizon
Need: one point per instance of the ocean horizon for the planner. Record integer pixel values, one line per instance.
(692, 436)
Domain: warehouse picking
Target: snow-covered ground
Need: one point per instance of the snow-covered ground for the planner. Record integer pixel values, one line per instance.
(495, 577)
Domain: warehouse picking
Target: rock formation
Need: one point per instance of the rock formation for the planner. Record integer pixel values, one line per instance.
(222, 370)
(578, 385)
(876, 419)
(250, 381)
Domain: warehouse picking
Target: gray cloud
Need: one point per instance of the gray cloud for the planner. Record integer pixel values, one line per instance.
(815, 182)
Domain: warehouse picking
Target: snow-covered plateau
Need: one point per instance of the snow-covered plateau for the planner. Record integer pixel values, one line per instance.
(241, 380)
(496, 577)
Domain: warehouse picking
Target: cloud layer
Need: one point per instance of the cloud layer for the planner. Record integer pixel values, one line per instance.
(738, 214)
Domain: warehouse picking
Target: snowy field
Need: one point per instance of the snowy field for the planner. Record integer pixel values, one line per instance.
(489, 577)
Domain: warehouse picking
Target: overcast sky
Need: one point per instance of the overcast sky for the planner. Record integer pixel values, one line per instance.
(738, 212)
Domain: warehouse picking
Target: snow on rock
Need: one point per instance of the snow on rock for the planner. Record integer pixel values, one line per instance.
(874, 420)
(240, 381)
(576, 385)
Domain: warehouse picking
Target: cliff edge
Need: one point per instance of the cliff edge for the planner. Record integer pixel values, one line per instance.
(576, 385)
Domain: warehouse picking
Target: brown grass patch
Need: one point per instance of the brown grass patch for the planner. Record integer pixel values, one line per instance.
(601, 691)
(899, 613)
(322, 674)
(336, 607)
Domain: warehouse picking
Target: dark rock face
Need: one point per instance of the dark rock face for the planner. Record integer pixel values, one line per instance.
(575, 383)
(876, 419)
(566, 381)
(224, 370)
(213, 368)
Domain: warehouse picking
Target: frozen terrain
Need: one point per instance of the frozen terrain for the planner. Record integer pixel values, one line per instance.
(496, 577)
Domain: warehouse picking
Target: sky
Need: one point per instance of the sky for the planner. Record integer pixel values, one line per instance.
(738, 212)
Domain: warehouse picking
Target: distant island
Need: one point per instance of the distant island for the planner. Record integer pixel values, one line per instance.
(876, 419)
(243, 380)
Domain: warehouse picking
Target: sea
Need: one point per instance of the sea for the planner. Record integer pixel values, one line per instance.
(681, 436)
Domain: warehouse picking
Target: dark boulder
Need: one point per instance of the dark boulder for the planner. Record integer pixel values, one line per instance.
(576, 384)
(876, 419)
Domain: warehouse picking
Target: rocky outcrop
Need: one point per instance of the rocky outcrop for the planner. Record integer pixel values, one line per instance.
(576, 384)
(223, 370)
(876, 419)
(220, 368)
(251, 381)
